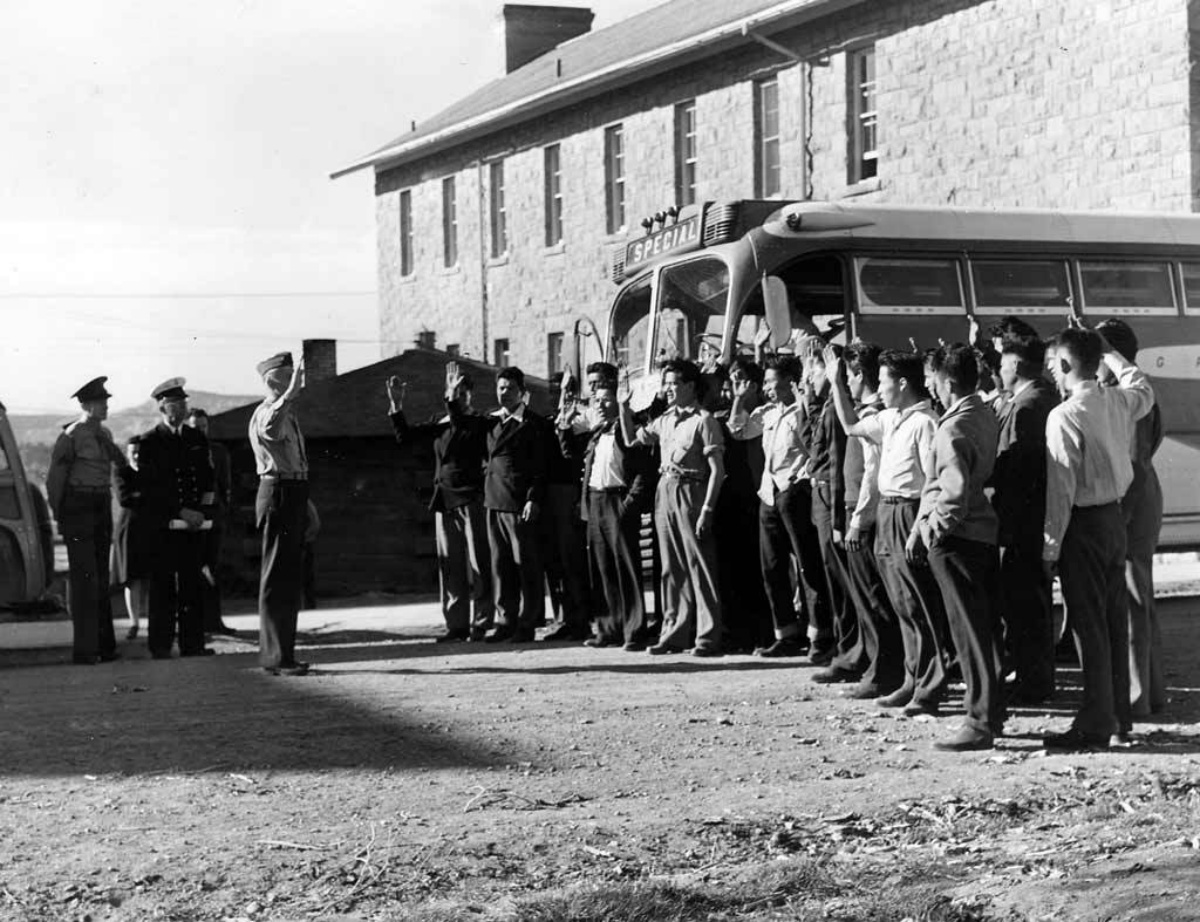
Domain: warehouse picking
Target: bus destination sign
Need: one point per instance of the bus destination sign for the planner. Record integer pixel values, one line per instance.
(681, 236)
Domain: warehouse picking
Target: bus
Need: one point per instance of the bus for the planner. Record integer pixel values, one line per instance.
(716, 280)
(26, 536)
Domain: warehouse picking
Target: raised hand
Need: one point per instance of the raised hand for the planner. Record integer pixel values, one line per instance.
(973, 330)
(833, 362)
(454, 380)
(624, 387)
(395, 392)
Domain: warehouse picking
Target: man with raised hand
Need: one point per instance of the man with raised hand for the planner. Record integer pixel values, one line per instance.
(1088, 471)
(460, 526)
(281, 512)
(79, 487)
(959, 528)
(904, 432)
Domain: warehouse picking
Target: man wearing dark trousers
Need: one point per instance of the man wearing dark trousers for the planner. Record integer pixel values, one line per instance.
(959, 528)
(784, 509)
(904, 432)
(459, 452)
(79, 488)
(882, 646)
(176, 475)
(1019, 481)
(616, 490)
(281, 511)
(1088, 471)
(218, 513)
(564, 536)
(514, 489)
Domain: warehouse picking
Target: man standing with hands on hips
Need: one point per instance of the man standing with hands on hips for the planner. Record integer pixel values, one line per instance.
(281, 511)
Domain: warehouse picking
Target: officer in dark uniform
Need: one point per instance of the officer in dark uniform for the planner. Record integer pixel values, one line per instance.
(177, 480)
(78, 485)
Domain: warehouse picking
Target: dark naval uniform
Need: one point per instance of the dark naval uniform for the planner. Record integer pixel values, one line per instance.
(176, 473)
(78, 485)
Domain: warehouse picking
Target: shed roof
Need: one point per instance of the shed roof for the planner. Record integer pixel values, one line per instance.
(650, 42)
(355, 404)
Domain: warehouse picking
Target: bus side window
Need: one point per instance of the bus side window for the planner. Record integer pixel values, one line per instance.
(1191, 288)
(909, 286)
(1127, 287)
(1021, 286)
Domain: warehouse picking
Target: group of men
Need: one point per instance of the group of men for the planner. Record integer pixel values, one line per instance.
(171, 483)
(912, 512)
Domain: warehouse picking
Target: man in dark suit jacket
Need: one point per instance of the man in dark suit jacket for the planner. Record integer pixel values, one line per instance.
(617, 487)
(1019, 480)
(460, 452)
(176, 475)
(514, 488)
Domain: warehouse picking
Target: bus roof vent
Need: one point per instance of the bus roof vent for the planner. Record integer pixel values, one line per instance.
(720, 223)
(618, 264)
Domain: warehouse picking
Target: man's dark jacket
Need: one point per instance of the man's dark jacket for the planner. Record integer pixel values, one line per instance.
(175, 472)
(459, 452)
(1019, 477)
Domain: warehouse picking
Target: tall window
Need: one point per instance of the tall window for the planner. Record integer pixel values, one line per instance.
(614, 178)
(406, 233)
(554, 353)
(766, 143)
(554, 202)
(500, 353)
(864, 121)
(685, 153)
(498, 215)
(449, 223)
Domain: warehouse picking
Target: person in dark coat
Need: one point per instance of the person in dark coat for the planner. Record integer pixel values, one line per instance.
(134, 545)
(176, 477)
(218, 513)
(460, 525)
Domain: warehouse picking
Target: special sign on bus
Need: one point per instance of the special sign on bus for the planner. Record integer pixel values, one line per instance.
(677, 235)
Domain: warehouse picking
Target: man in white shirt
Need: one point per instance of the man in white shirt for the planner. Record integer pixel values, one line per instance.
(1088, 471)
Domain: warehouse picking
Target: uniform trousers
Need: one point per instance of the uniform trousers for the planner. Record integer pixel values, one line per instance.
(1143, 522)
(464, 568)
(690, 598)
(1026, 613)
(915, 599)
(518, 586)
(210, 591)
(967, 571)
(1092, 568)
(616, 565)
(85, 523)
(883, 648)
(175, 600)
(565, 555)
(281, 510)
(845, 642)
(785, 530)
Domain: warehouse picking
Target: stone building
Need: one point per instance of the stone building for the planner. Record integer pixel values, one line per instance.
(496, 219)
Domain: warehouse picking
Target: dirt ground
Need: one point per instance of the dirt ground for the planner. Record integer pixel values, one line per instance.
(402, 772)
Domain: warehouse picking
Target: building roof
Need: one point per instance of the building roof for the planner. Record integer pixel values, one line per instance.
(660, 38)
(355, 404)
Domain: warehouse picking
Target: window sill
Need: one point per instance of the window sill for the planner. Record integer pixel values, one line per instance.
(410, 279)
(618, 236)
(556, 250)
(501, 260)
(450, 270)
(863, 187)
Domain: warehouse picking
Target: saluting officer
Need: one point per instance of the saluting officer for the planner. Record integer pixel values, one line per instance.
(79, 488)
(176, 475)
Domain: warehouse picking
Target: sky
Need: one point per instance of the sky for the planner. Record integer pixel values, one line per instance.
(165, 202)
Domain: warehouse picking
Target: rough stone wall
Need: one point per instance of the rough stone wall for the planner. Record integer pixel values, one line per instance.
(1037, 103)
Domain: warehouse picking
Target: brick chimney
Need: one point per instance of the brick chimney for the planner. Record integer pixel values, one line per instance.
(320, 360)
(531, 31)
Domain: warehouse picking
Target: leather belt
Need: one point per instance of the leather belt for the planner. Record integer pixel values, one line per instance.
(278, 476)
(91, 491)
(898, 500)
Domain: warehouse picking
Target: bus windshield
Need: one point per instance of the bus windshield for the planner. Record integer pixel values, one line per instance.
(693, 297)
(629, 329)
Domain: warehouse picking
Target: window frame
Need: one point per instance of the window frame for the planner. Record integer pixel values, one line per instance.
(1174, 278)
(449, 222)
(614, 179)
(555, 352)
(762, 139)
(407, 262)
(896, 310)
(497, 212)
(553, 197)
(497, 360)
(1020, 310)
(862, 88)
(686, 153)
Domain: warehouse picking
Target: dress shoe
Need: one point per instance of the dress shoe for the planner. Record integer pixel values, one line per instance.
(780, 648)
(597, 642)
(966, 740)
(79, 660)
(292, 669)
(1076, 741)
(706, 652)
(834, 675)
(565, 633)
(477, 634)
(132, 633)
(897, 699)
(1120, 740)
(223, 630)
(917, 708)
(820, 657)
(662, 649)
(500, 635)
(863, 691)
(452, 637)
(1024, 697)
(522, 637)
(203, 651)
(634, 646)
(109, 657)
